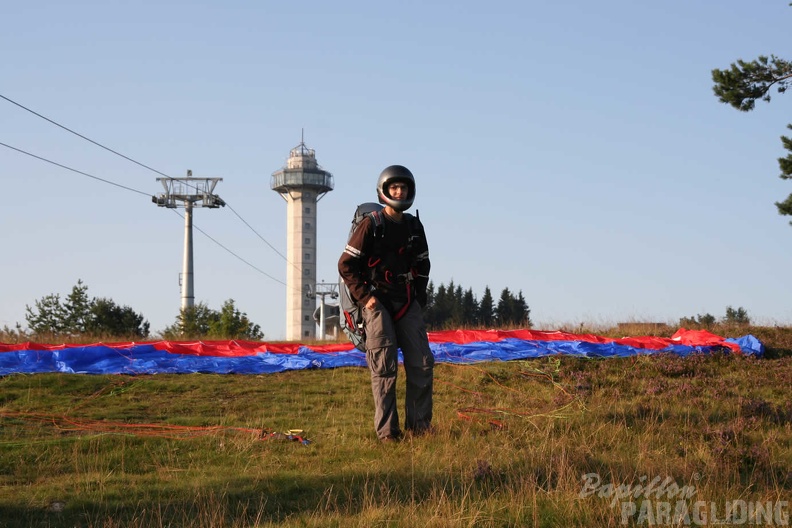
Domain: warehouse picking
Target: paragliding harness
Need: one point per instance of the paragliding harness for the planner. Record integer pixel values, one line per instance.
(351, 320)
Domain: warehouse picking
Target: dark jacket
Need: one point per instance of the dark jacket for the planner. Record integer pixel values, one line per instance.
(389, 261)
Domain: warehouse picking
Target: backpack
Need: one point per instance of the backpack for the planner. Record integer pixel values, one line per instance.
(351, 319)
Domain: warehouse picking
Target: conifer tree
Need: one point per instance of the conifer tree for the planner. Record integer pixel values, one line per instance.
(430, 294)
(48, 317)
(233, 324)
(457, 311)
(746, 82)
(469, 308)
(80, 314)
(505, 309)
(108, 318)
(202, 321)
(522, 314)
(737, 316)
(486, 310)
(442, 306)
(78, 310)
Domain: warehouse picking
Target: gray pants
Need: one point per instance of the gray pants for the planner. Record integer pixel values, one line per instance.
(383, 338)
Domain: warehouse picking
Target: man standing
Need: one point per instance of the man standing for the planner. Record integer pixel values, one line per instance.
(385, 265)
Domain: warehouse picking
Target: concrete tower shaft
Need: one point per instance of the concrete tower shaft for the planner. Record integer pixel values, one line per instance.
(302, 183)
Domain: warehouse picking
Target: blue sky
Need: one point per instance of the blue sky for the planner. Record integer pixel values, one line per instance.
(572, 150)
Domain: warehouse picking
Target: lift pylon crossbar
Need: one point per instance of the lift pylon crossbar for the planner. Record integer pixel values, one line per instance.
(199, 192)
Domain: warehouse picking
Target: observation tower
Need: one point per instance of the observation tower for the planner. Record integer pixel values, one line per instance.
(302, 183)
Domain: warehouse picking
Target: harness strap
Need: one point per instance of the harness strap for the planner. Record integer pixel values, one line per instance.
(403, 309)
(408, 277)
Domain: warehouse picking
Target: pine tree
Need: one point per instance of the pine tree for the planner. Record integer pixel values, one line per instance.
(202, 321)
(233, 324)
(469, 308)
(81, 315)
(48, 317)
(505, 309)
(430, 295)
(699, 321)
(486, 310)
(194, 321)
(522, 314)
(442, 307)
(78, 309)
(108, 318)
(737, 317)
(746, 82)
(457, 310)
(429, 311)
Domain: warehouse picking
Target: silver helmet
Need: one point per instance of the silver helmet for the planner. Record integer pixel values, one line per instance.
(392, 174)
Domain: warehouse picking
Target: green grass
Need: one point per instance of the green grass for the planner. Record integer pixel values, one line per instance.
(512, 441)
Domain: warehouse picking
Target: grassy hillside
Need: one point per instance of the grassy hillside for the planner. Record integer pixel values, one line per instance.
(512, 443)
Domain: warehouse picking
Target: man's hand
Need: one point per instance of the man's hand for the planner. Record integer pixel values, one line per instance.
(371, 303)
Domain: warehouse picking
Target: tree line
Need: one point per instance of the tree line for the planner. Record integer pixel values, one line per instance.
(448, 306)
(451, 306)
(734, 317)
(80, 315)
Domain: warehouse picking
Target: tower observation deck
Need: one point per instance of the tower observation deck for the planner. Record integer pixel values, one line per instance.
(301, 183)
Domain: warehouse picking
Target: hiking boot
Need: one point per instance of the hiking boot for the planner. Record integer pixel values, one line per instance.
(390, 439)
(424, 431)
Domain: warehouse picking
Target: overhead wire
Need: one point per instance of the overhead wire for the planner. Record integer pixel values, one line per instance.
(140, 192)
(80, 135)
(137, 163)
(234, 254)
(74, 170)
(261, 237)
(110, 182)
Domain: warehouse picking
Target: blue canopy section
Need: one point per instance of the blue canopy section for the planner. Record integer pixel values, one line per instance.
(149, 359)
